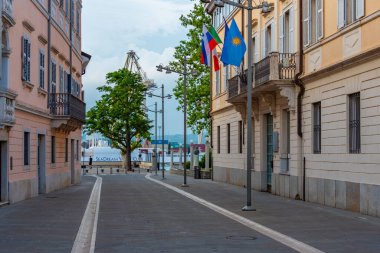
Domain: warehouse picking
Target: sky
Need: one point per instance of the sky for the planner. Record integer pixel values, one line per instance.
(149, 27)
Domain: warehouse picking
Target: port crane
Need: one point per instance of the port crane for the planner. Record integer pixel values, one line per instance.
(133, 65)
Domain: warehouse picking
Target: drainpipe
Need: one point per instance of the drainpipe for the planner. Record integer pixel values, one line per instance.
(49, 52)
(300, 84)
(71, 45)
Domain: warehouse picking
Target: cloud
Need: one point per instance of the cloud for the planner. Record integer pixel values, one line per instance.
(117, 21)
(150, 27)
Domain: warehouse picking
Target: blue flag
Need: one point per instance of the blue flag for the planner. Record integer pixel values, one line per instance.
(234, 46)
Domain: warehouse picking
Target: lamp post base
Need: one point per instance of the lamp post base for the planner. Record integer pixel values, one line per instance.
(248, 208)
(184, 185)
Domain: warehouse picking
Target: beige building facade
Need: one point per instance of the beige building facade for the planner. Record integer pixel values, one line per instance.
(316, 110)
(41, 97)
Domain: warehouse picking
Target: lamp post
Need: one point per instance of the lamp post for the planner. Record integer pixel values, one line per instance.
(155, 133)
(184, 73)
(150, 94)
(266, 7)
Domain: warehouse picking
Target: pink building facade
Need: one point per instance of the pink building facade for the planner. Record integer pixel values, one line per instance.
(41, 98)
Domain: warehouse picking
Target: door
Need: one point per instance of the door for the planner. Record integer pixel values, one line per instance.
(41, 164)
(269, 150)
(1, 172)
(72, 162)
(4, 171)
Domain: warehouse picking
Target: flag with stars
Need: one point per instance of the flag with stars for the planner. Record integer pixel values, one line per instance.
(234, 46)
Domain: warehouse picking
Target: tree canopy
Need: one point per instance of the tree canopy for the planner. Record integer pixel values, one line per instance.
(120, 115)
(198, 86)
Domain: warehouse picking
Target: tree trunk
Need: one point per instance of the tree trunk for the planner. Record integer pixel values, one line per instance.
(128, 153)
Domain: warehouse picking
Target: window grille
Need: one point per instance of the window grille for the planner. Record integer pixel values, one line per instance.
(354, 123)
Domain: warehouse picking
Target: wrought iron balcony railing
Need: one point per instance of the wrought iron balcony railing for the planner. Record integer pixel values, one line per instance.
(8, 7)
(65, 104)
(7, 109)
(275, 67)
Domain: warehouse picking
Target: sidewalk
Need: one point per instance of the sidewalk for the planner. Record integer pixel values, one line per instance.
(327, 229)
(48, 223)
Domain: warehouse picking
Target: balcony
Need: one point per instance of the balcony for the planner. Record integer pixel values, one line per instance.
(7, 12)
(7, 108)
(275, 70)
(69, 112)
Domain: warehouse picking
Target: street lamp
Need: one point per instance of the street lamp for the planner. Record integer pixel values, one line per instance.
(185, 72)
(155, 133)
(150, 94)
(266, 7)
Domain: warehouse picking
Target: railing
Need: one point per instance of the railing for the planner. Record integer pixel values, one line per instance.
(233, 87)
(236, 85)
(8, 7)
(65, 104)
(7, 110)
(262, 71)
(275, 67)
(287, 65)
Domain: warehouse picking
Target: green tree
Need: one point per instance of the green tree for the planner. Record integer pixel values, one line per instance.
(119, 114)
(198, 87)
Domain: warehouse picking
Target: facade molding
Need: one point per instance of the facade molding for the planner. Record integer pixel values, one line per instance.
(347, 63)
(32, 110)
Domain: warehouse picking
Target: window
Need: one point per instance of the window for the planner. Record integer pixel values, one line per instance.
(66, 150)
(226, 76)
(228, 138)
(53, 77)
(317, 136)
(217, 83)
(53, 149)
(285, 141)
(268, 40)
(67, 8)
(287, 31)
(42, 70)
(78, 20)
(354, 123)
(218, 139)
(241, 137)
(77, 153)
(26, 148)
(72, 17)
(26, 45)
(313, 21)
(60, 79)
(349, 11)
(60, 3)
(255, 46)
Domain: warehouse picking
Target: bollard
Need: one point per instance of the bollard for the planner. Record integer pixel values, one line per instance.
(180, 157)
(171, 160)
(197, 170)
(191, 155)
(207, 154)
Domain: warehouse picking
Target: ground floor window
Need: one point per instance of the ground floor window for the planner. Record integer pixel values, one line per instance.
(354, 123)
(53, 149)
(317, 137)
(26, 148)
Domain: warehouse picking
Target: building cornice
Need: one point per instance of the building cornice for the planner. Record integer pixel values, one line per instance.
(31, 109)
(347, 63)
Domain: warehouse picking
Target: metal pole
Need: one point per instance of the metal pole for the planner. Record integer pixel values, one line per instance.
(155, 129)
(249, 206)
(184, 121)
(163, 137)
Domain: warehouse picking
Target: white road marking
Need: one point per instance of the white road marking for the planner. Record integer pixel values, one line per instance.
(277, 236)
(86, 237)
